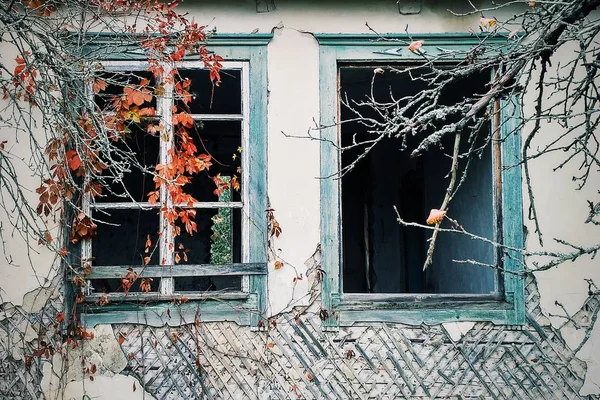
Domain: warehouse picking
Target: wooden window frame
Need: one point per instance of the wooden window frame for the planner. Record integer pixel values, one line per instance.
(347, 309)
(247, 53)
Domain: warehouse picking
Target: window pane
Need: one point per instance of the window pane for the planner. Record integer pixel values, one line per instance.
(223, 141)
(217, 241)
(138, 148)
(121, 240)
(381, 256)
(211, 99)
(116, 81)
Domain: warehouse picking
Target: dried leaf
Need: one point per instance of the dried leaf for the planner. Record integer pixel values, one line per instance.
(487, 23)
(416, 45)
(435, 216)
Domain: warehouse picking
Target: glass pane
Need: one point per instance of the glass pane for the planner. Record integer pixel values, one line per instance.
(223, 141)
(137, 149)
(115, 82)
(211, 99)
(217, 241)
(122, 238)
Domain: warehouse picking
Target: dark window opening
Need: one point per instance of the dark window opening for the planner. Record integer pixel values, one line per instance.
(222, 140)
(121, 237)
(381, 256)
(207, 98)
(115, 83)
(137, 149)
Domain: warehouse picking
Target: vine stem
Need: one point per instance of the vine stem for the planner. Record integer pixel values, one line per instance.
(447, 198)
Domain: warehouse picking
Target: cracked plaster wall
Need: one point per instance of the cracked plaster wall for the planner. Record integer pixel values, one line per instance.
(294, 190)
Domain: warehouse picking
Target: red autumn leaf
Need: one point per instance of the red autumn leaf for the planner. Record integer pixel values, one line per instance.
(98, 85)
(73, 160)
(137, 96)
(145, 284)
(121, 338)
(416, 45)
(435, 216)
(60, 317)
(184, 119)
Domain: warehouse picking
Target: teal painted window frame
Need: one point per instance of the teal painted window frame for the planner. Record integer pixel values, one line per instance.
(347, 309)
(243, 308)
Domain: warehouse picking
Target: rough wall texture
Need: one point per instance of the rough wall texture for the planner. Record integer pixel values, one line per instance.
(539, 361)
(296, 359)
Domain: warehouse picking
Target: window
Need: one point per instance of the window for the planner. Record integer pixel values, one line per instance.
(219, 270)
(373, 264)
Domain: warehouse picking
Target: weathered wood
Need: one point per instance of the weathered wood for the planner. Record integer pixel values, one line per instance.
(512, 207)
(171, 271)
(157, 297)
(256, 194)
(238, 311)
(330, 186)
(218, 117)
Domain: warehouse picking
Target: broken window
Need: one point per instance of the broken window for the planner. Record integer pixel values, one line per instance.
(379, 255)
(132, 232)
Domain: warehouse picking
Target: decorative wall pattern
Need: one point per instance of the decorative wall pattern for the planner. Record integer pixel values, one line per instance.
(296, 359)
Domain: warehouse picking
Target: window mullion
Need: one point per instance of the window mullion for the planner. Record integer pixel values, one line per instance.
(167, 242)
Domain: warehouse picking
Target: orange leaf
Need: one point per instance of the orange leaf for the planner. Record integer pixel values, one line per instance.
(121, 338)
(60, 317)
(435, 216)
(98, 85)
(73, 160)
(278, 264)
(487, 23)
(416, 45)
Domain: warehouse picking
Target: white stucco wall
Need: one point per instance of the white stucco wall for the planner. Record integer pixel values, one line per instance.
(23, 268)
(293, 164)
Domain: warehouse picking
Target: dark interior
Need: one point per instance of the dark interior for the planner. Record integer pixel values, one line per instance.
(381, 256)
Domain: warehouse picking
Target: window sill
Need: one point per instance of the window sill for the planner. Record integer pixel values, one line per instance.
(148, 310)
(415, 309)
